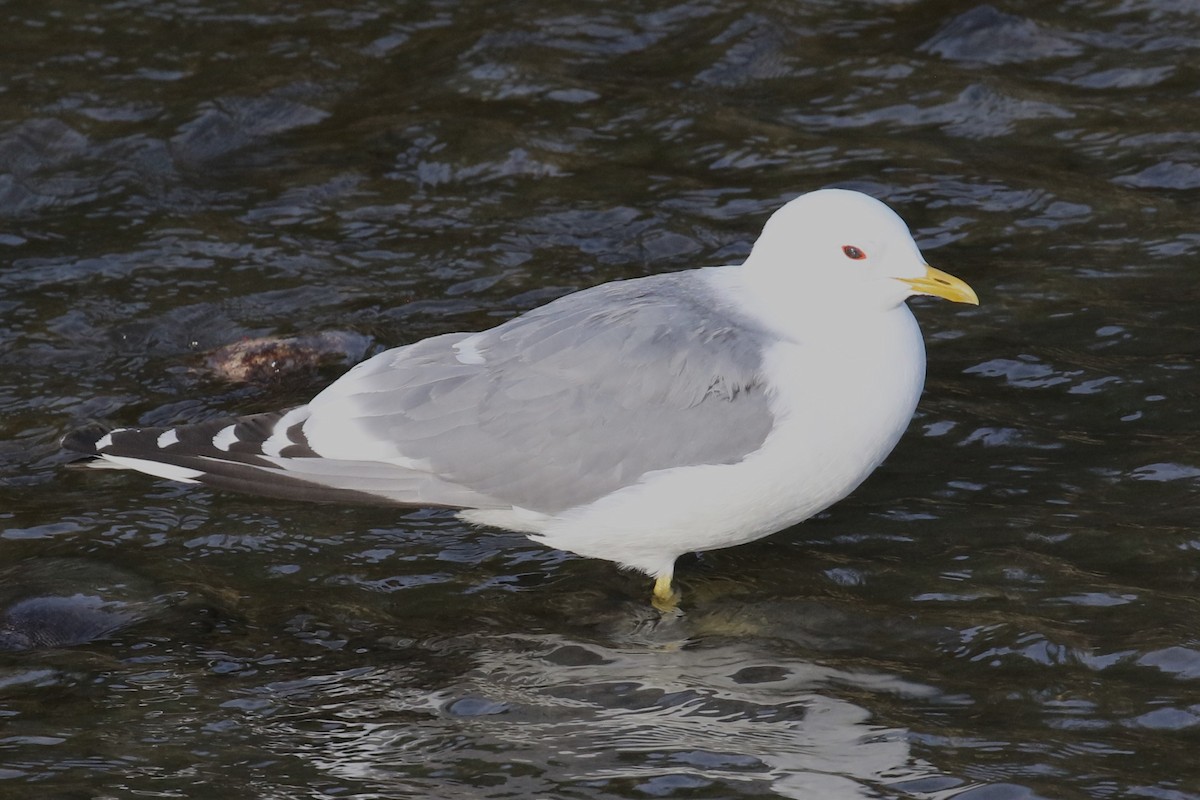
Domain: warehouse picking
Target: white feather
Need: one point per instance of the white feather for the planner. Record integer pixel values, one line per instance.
(278, 439)
(168, 471)
(225, 438)
(467, 351)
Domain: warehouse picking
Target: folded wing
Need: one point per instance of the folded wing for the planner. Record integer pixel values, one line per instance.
(547, 411)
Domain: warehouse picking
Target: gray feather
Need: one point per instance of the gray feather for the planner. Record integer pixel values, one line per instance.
(578, 398)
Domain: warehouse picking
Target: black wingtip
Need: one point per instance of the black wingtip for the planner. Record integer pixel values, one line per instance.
(83, 440)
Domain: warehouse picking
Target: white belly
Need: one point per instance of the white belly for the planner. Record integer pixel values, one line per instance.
(840, 407)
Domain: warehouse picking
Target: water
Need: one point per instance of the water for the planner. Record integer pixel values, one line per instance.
(1007, 609)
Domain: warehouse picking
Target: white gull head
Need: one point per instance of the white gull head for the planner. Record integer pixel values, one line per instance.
(835, 254)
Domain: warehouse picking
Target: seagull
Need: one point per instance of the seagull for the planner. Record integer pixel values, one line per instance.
(633, 421)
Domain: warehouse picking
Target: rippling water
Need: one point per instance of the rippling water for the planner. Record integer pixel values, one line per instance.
(1007, 609)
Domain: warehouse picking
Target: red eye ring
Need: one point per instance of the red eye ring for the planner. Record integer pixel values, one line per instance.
(853, 252)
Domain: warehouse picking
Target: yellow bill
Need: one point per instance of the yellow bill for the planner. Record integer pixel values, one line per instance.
(942, 284)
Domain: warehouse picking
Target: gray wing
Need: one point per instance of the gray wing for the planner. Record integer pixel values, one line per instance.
(564, 404)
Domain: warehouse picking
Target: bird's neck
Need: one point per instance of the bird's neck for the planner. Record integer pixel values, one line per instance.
(798, 314)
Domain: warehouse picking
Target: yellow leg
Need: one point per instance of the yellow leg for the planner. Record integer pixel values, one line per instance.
(665, 598)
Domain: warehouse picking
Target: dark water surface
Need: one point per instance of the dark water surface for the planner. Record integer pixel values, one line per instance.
(1007, 609)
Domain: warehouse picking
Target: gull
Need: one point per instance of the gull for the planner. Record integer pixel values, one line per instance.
(633, 421)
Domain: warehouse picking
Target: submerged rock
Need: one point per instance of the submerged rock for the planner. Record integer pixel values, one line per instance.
(985, 35)
(60, 602)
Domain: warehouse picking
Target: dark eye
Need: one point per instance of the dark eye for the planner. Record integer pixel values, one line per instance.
(853, 252)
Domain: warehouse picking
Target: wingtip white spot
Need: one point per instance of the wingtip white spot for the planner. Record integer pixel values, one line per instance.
(105, 441)
(278, 439)
(225, 438)
(167, 438)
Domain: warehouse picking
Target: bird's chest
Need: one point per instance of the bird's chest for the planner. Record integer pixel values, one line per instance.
(842, 404)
